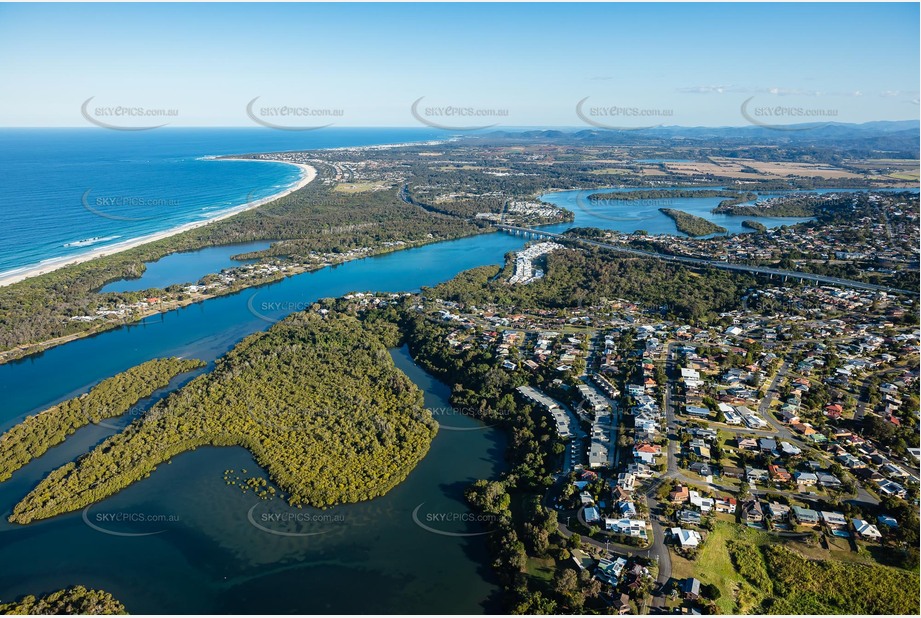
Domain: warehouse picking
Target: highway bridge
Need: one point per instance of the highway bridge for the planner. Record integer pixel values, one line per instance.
(759, 270)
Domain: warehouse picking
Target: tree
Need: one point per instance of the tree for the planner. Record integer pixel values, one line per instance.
(711, 591)
(535, 604)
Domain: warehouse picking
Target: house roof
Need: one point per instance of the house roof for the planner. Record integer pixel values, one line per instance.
(865, 528)
(805, 514)
(691, 585)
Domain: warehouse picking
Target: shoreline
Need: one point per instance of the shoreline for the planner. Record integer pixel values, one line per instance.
(25, 350)
(308, 175)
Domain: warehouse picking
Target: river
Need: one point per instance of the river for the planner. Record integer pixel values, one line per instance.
(183, 541)
(204, 552)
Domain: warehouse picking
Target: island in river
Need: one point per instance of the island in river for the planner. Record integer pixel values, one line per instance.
(692, 225)
(316, 399)
(588, 296)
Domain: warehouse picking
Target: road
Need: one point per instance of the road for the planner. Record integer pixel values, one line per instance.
(759, 270)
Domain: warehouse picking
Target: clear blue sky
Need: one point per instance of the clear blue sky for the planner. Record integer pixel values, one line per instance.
(701, 61)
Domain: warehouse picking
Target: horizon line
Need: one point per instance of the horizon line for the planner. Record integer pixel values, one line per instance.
(494, 128)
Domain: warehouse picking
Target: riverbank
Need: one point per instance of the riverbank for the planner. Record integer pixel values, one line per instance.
(193, 298)
(308, 174)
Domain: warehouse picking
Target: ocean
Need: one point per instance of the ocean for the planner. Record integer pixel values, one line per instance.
(65, 191)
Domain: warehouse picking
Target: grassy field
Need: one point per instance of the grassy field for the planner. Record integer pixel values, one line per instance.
(541, 568)
(752, 568)
(610, 170)
(714, 566)
(359, 187)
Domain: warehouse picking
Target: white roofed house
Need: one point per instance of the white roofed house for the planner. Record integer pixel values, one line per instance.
(629, 527)
(610, 570)
(834, 520)
(685, 538)
(865, 530)
(704, 504)
(592, 514)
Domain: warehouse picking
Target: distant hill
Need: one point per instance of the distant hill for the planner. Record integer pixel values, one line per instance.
(892, 138)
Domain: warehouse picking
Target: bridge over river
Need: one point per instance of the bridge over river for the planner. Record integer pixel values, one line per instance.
(760, 270)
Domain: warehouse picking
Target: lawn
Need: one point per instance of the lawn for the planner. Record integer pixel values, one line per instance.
(541, 568)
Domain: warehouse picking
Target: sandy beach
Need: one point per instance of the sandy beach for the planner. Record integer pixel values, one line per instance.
(308, 174)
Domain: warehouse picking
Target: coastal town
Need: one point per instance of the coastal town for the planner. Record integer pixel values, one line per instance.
(681, 441)
(791, 419)
(441, 309)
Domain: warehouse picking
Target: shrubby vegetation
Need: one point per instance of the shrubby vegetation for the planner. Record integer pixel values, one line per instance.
(316, 399)
(754, 225)
(72, 601)
(831, 587)
(748, 562)
(112, 397)
(692, 225)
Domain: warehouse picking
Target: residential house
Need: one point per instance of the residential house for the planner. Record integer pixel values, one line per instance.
(697, 411)
(849, 461)
(626, 508)
(888, 521)
(725, 505)
(891, 488)
(647, 453)
(686, 538)
(834, 520)
(756, 475)
(805, 517)
(747, 444)
(866, 530)
(630, 527)
(686, 516)
(690, 588)
(776, 511)
(828, 480)
(752, 511)
(609, 570)
(679, 495)
(704, 504)
(779, 474)
(803, 428)
(701, 468)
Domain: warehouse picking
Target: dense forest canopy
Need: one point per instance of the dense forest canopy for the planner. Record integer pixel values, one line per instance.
(112, 397)
(317, 400)
(576, 278)
(72, 601)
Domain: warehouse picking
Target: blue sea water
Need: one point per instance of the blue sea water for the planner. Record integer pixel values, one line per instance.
(66, 191)
(209, 558)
